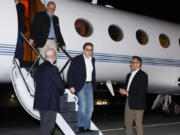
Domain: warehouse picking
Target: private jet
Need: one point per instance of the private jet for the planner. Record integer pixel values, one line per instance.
(116, 35)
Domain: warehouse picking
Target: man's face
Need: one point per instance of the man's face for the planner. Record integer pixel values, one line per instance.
(16, 1)
(88, 51)
(135, 64)
(51, 8)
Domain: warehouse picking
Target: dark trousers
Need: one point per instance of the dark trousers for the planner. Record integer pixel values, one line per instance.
(48, 120)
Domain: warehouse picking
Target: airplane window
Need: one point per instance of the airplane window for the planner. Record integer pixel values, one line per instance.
(164, 40)
(83, 27)
(115, 33)
(142, 37)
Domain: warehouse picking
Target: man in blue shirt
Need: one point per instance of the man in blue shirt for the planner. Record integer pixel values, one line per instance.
(45, 30)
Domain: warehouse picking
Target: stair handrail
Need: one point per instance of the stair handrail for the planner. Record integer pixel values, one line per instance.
(70, 58)
(40, 56)
(15, 62)
(32, 47)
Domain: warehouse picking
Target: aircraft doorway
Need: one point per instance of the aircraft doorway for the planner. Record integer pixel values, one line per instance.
(31, 8)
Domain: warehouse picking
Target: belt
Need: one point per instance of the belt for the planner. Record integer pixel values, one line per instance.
(51, 38)
(88, 81)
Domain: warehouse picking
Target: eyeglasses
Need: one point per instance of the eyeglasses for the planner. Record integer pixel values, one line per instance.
(51, 9)
(89, 50)
(133, 62)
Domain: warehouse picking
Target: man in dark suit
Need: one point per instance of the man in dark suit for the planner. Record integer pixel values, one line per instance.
(21, 29)
(49, 87)
(136, 85)
(82, 81)
(45, 30)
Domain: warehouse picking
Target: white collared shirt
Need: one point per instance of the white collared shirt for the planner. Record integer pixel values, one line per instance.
(89, 68)
(133, 73)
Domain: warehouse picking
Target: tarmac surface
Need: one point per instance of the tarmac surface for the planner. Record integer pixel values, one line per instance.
(15, 121)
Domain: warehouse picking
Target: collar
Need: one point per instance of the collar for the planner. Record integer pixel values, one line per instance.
(86, 57)
(134, 72)
(49, 61)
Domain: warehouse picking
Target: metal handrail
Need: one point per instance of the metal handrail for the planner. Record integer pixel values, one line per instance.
(32, 47)
(40, 56)
(65, 52)
(14, 60)
(70, 58)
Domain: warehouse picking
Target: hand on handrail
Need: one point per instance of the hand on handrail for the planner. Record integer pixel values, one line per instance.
(67, 54)
(31, 41)
(63, 47)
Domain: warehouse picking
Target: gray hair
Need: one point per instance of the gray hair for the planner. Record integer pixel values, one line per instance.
(51, 2)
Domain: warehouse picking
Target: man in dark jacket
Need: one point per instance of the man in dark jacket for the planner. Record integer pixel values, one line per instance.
(21, 29)
(49, 87)
(82, 81)
(45, 30)
(136, 85)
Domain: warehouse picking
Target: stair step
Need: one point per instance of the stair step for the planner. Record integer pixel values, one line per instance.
(57, 131)
(74, 126)
(27, 63)
(67, 107)
(70, 116)
(96, 132)
(64, 98)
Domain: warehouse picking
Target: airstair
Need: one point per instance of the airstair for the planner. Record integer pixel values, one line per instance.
(24, 87)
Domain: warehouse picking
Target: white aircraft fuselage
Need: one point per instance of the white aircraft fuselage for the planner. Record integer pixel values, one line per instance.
(112, 58)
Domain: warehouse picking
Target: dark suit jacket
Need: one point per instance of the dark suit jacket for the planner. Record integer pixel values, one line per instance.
(49, 87)
(137, 90)
(77, 73)
(40, 29)
(20, 13)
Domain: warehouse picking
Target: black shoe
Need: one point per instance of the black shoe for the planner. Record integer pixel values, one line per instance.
(81, 130)
(88, 130)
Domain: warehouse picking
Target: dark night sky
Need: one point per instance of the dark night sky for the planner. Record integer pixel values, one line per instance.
(162, 9)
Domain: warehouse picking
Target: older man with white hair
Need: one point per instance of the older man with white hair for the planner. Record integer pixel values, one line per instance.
(45, 30)
(49, 87)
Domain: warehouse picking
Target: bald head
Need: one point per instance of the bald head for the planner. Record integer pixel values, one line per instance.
(50, 55)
